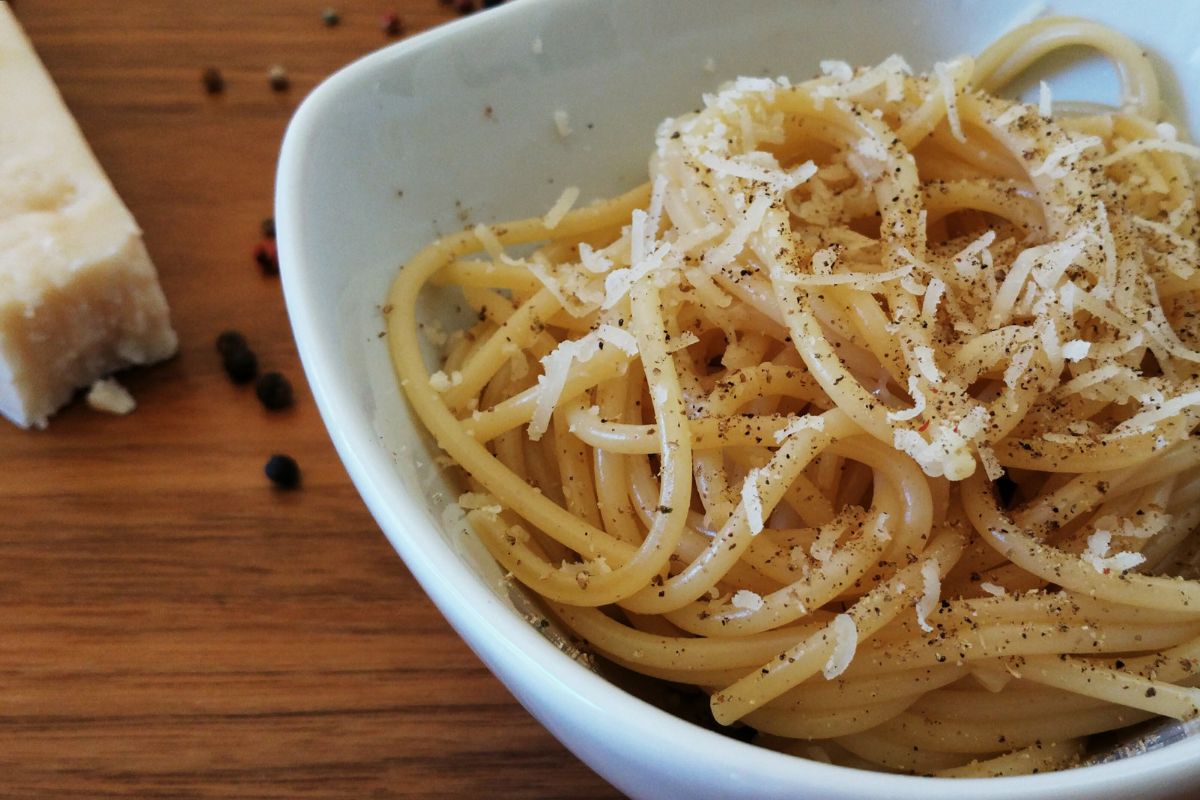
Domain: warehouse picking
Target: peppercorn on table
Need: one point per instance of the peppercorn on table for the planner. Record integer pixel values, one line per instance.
(172, 624)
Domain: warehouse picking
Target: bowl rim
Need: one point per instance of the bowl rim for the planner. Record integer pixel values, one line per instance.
(503, 640)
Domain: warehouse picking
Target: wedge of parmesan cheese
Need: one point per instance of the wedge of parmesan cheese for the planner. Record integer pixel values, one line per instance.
(79, 296)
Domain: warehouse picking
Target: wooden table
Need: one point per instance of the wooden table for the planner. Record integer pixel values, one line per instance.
(171, 626)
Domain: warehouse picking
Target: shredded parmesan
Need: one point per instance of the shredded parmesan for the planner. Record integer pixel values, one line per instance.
(809, 422)
(991, 464)
(1063, 157)
(752, 501)
(561, 206)
(993, 589)
(1097, 555)
(914, 390)
(557, 365)
(562, 123)
(845, 642)
(930, 594)
(1045, 105)
(949, 94)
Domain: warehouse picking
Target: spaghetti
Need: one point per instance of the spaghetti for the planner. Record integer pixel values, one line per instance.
(871, 414)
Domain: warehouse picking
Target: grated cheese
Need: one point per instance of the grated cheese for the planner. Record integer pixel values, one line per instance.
(1097, 555)
(561, 206)
(914, 391)
(752, 502)
(927, 363)
(111, 397)
(489, 240)
(964, 260)
(930, 594)
(809, 422)
(746, 599)
(1063, 157)
(949, 94)
(1076, 350)
(562, 123)
(557, 365)
(838, 70)
(991, 465)
(1045, 105)
(845, 642)
(842, 278)
(479, 501)
(993, 589)
(725, 252)
(933, 296)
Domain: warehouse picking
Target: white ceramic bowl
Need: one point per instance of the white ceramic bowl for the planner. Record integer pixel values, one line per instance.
(456, 124)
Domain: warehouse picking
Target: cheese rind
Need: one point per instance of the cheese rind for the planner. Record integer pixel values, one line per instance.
(79, 296)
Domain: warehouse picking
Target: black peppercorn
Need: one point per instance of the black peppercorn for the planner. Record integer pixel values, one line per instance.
(391, 24)
(277, 77)
(240, 365)
(283, 471)
(274, 391)
(330, 17)
(267, 257)
(230, 341)
(213, 80)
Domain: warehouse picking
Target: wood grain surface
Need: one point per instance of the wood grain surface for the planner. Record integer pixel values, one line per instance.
(170, 625)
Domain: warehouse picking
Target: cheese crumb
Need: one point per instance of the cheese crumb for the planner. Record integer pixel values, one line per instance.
(992, 589)
(1097, 555)
(1076, 349)
(845, 641)
(479, 501)
(439, 381)
(110, 397)
(744, 598)
(838, 70)
(562, 122)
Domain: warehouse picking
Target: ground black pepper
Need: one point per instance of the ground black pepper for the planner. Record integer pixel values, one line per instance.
(330, 17)
(277, 77)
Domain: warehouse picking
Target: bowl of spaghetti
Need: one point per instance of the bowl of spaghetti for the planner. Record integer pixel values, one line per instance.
(829, 374)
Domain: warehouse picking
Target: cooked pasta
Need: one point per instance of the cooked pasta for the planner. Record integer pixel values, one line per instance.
(870, 414)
